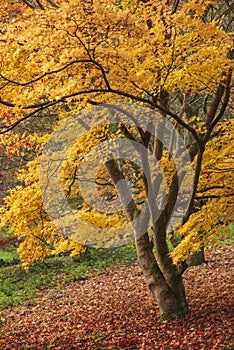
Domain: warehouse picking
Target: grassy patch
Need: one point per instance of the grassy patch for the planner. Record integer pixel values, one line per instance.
(225, 238)
(8, 255)
(17, 286)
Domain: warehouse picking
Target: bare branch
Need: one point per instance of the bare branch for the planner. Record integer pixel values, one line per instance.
(38, 4)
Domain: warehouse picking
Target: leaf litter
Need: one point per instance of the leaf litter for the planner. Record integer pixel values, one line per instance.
(115, 310)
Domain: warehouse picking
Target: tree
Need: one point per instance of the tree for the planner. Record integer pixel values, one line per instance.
(173, 61)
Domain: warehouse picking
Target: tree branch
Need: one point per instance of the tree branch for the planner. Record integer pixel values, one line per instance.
(37, 4)
(6, 103)
(98, 65)
(195, 182)
(215, 196)
(225, 100)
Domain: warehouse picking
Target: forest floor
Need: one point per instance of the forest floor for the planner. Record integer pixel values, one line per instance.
(114, 310)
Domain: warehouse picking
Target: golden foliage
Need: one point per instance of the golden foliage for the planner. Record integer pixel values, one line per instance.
(208, 224)
(97, 51)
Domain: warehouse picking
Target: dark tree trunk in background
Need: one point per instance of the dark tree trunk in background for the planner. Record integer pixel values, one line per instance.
(197, 258)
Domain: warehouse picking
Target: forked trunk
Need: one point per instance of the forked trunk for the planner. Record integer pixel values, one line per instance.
(164, 282)
(173, 305)
(171, 300)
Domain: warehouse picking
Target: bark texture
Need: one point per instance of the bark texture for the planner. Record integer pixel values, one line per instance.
(171, 299)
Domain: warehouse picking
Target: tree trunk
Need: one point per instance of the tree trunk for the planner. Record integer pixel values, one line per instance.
(197, 258)
(162, 277)
(172, 301)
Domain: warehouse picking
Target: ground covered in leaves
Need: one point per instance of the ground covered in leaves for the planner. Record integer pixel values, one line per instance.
(114, 310)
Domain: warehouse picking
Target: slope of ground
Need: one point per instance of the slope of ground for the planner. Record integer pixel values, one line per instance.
(114, 310)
